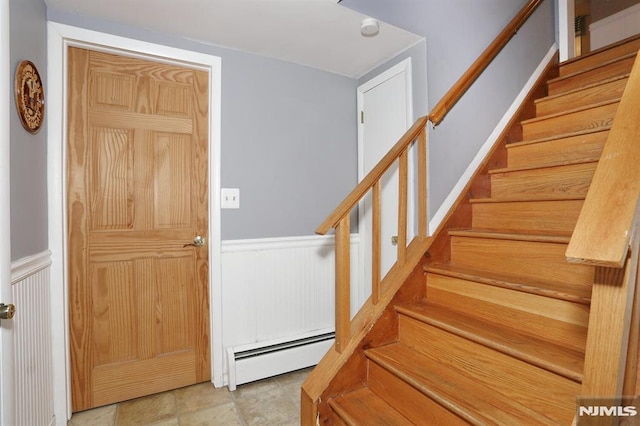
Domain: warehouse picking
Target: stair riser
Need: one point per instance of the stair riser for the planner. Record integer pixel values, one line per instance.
(527, 216)
(562, 333)
(570, 180)
(598, 58)
(586, 147)
(337, 420)
(410, 402)
(572, 82)
(540, 352)
(502, 373)
(363, 406)
(535, 260)
(602, 93)
(589, 119)
(545, 309)
(459, 392)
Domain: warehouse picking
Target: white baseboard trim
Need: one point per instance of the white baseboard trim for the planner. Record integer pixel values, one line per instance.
(488, 144)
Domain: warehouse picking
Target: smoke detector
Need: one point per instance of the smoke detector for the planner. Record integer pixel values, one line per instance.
(369, 27)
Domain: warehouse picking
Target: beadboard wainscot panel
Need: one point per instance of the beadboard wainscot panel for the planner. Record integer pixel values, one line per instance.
(279, 288)
(30, 279)
(616, 27)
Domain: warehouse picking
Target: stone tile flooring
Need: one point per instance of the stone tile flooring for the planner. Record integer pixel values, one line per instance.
(274, 401)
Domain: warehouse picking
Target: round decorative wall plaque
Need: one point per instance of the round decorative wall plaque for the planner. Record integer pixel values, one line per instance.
(29, 96)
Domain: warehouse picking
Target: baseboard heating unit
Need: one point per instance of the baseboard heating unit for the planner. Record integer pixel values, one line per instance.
(258, 361)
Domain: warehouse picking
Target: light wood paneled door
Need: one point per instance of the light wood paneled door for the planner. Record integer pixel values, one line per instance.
(137, 195)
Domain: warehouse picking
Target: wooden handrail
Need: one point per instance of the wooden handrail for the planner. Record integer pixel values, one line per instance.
(372, 177)
(471, 75)
(602, 233)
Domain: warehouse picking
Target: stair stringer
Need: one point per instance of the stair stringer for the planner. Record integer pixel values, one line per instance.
(376, 325)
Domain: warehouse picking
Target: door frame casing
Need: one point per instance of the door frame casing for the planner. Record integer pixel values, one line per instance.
(7, 397)
(404, 66)
(566, 34)
(60, 38)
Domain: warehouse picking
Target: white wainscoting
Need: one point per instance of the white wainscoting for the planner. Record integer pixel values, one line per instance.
(616, 27)
(30, 279)
(279, 289)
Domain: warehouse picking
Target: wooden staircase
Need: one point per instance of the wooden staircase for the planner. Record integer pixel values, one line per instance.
(497, 331)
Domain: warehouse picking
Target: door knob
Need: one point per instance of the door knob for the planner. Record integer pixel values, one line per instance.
(7, 311)
(198, 241)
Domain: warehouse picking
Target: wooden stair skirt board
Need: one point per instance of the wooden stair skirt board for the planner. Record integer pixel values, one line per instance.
(500, 336)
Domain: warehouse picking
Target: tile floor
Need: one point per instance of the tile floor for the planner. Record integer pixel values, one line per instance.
(274, 401)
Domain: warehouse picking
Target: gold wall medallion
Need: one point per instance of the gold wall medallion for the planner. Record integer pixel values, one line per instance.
(29, 96)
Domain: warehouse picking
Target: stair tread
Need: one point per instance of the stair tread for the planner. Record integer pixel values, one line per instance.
(364, 407)
(557, 152)
(518, 236)
(559, 136)
(594, 67)
(569, 111)
(557, 290)
(549, 166)
(595, 116)
(526, 198)
(607, 89)
(591, 73)
(600, 50)
(460, 393)
(543, 213)
(560, 360)
(582, 88)
(531, 260)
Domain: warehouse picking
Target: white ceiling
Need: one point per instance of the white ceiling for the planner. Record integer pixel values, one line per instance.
(317, 33)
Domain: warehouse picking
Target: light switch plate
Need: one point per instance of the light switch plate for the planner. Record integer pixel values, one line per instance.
(230, 198)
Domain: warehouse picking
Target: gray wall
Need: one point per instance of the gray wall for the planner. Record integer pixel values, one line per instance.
(456, 32)
(28, 152)
(289, 142)
(455, 142)
(288, 136)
